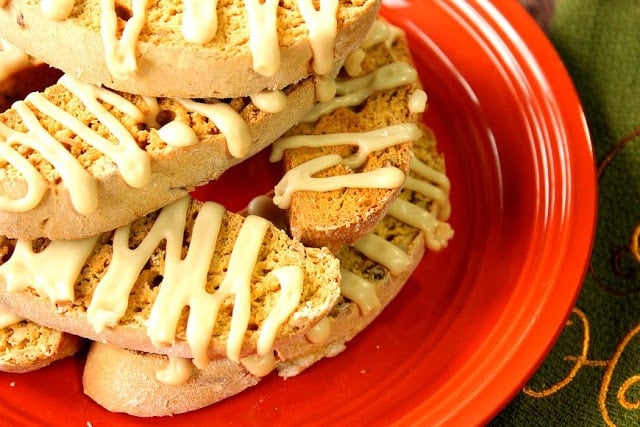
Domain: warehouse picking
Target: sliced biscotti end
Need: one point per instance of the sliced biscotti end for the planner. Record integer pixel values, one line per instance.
(242, 56)
(192, 280)
(346, 162)
(26, 346)
(126, 381)
(82, 160)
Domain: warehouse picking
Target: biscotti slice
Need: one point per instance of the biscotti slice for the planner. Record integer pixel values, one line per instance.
(346, 162)
(152, 385)
(374, 271)
(78, 160)
(186, 49)
(26, 346)
(191, 280)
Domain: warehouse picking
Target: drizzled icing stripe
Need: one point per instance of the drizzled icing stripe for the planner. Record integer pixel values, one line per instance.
(177, 371)
(301, 178)
(359, 290)
(434, 185)
(437, 233)
(231, 125)
(383, 252)
(51, 272)
(367, 142)
(323, 27)
(36, 187)
(12, 59)
(290, 279)
(120, 53)
(200, 21)
(82, 186)
(134, 164)
(354, 91)
(263, 36)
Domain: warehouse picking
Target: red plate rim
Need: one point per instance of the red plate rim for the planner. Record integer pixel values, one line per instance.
(540, 305)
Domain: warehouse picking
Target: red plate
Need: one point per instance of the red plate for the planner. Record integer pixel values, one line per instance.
(475, 320)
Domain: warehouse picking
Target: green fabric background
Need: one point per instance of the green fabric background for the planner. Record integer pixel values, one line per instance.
(592, 375)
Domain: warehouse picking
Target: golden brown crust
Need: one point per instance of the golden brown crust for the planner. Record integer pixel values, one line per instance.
(170, 66)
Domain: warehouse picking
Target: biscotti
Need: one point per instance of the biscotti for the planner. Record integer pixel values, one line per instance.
(26, 346)
(177, 48)
(346, 162)
(81, 160)
(147, 385)
(246, 284)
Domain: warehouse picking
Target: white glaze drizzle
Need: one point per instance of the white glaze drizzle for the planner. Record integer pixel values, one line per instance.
(52, 272)
(354, 91)
(434, 184)
(228, 121)
(353, 63)
(200, 24)
(36, 186)
(367, 142)
(263, 35)
(320, 332)
(301, 178)
(322, 26)
(12, 59)
(178, 134)
(383, 252)
(82, 186)
(57, 10)
(199, 20)
(133, 162)
(259, 365)
(270, 101)
(437, 233)
(290, 279)
(418, 101)
(120, 54)
(177, 371)
(361, 291)
(378, 33)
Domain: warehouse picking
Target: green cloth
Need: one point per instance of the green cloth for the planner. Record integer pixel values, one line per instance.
(592, 375)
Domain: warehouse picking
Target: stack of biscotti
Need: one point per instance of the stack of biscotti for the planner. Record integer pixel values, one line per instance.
(103, 241)
(157, 99)
(373, 271)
